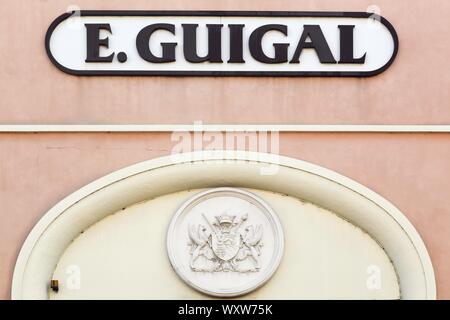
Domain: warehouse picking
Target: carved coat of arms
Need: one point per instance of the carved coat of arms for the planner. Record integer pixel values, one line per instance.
(225, 242)
(224, 245)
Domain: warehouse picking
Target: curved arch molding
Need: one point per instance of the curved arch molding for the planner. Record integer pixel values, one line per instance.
(378, 217)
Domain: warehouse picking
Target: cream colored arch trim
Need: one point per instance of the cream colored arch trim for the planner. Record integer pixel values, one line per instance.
(385, 223)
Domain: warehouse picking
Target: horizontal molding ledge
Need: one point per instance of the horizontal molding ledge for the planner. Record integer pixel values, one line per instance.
(347, 128)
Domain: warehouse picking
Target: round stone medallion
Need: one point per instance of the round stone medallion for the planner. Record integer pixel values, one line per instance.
(225, 242)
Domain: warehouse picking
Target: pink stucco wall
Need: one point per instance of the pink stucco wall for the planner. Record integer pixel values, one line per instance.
(414, 90)
(410, 170)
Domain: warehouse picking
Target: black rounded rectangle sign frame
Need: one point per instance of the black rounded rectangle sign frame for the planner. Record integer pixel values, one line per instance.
(281, 14)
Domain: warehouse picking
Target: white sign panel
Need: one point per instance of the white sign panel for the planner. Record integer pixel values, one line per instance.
(221, 43)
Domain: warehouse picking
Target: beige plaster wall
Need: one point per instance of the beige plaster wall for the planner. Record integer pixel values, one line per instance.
(411, 170)
(124, 256)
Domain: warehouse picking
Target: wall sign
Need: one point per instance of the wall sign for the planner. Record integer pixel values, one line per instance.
(221, 43)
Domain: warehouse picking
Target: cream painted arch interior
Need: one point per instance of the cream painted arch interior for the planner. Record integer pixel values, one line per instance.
(52, 235)
(124, 256)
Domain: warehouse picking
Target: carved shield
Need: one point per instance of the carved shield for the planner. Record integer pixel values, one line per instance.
(226, 245)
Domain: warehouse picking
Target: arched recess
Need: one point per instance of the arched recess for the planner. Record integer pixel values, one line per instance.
(362, 207)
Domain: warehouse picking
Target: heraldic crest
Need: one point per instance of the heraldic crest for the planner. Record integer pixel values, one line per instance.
(225, 246)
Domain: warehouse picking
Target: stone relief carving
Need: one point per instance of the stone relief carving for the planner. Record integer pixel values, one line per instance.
(225, 245)
(225, 242)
